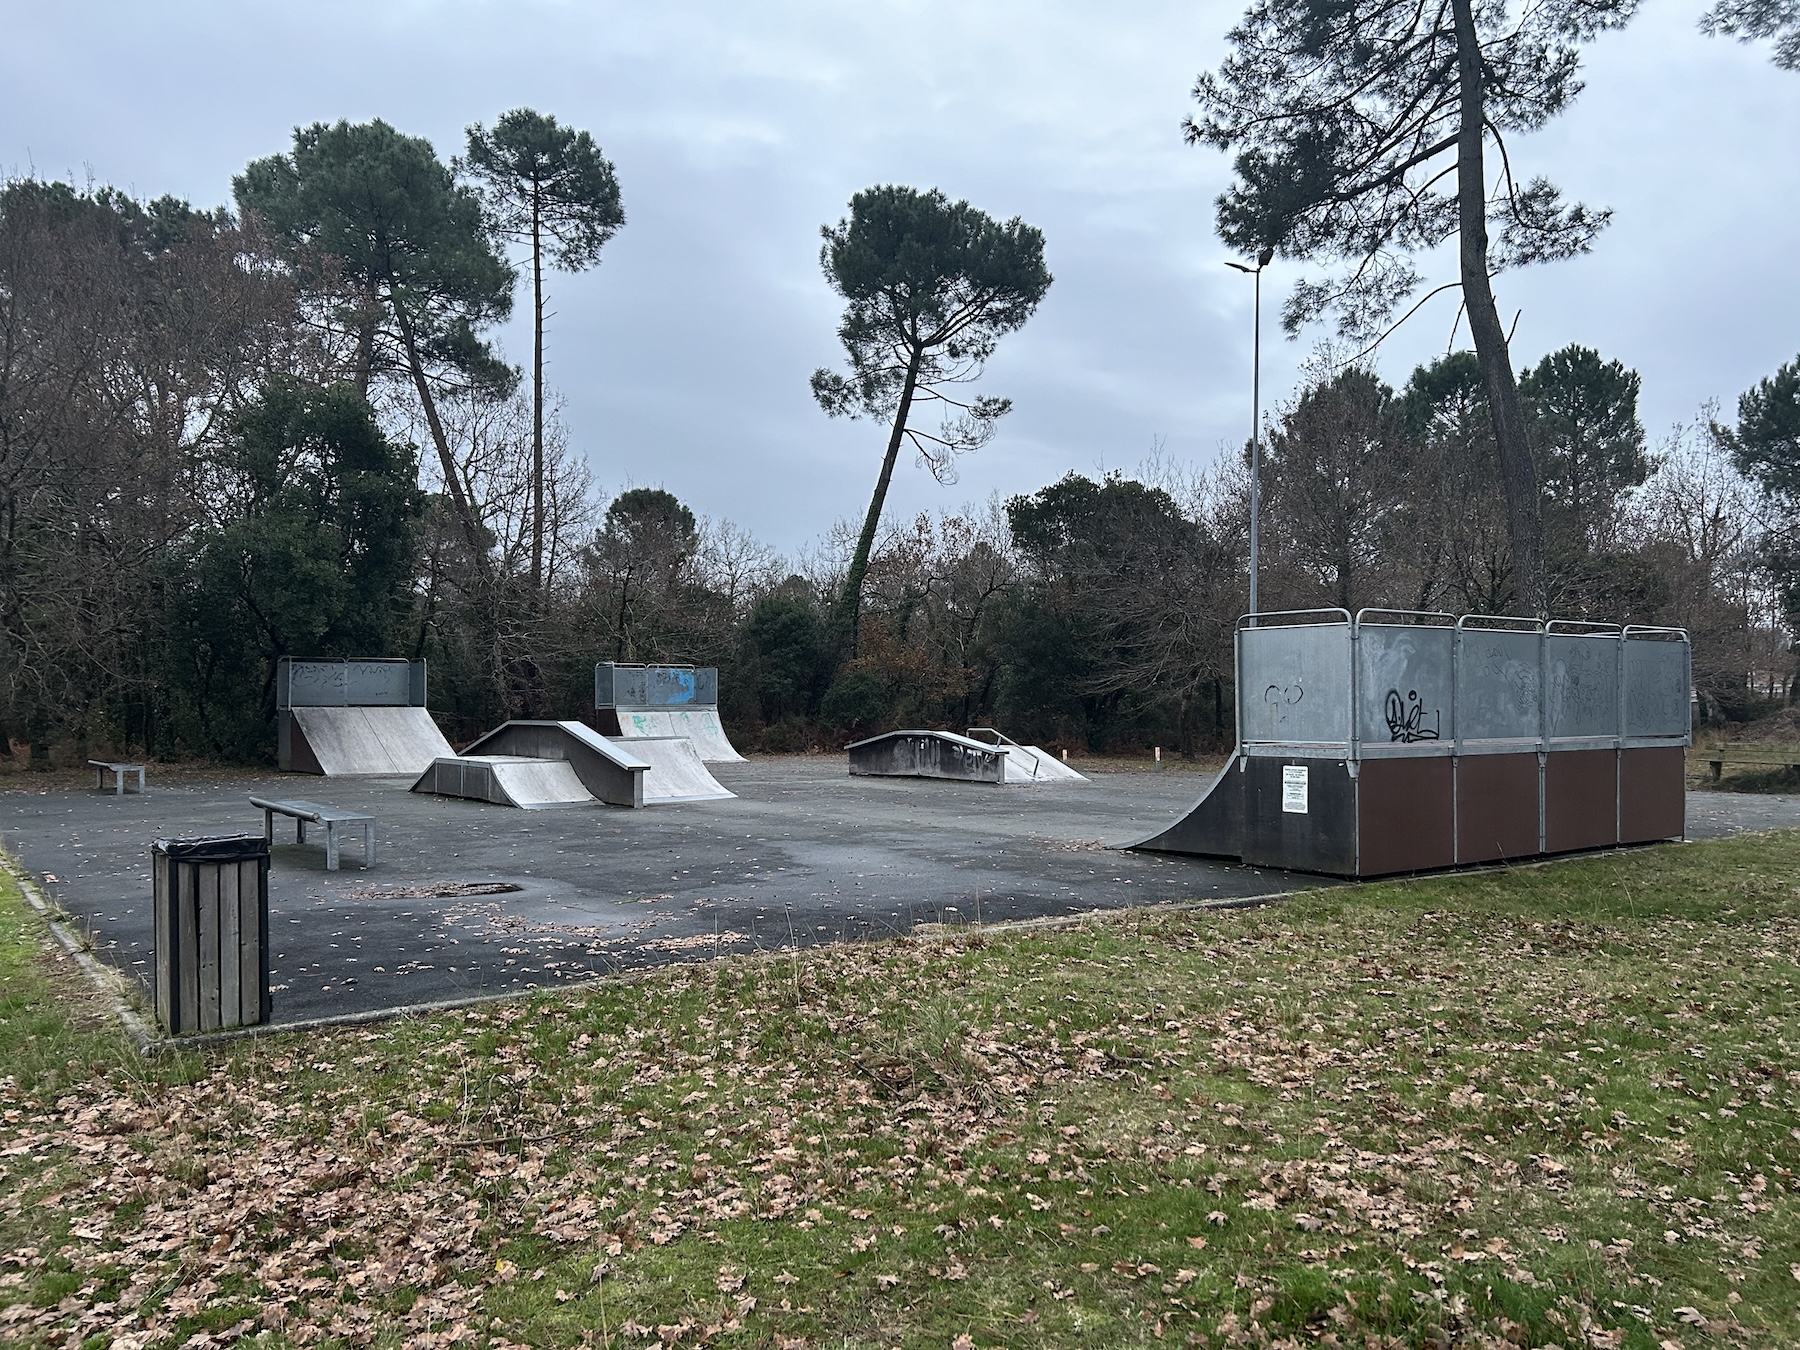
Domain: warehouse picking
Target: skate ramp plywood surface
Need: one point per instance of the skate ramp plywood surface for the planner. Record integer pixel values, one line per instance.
(345, 742)
(699, 725)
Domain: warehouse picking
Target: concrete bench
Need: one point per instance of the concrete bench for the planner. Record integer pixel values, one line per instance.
(1753, 756)
(331, 817)
(102, 767)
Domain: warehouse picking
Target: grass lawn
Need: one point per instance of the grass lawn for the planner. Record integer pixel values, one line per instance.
(1550, 1106)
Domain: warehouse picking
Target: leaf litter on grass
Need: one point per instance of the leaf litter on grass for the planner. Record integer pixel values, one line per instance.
(1474, 1111)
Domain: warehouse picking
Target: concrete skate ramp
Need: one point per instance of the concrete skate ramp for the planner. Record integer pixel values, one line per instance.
(507, 780)
(1028, 764)
(1212, 827)
(699, 725)
(607, 770)
(350, 741)
(677, 773)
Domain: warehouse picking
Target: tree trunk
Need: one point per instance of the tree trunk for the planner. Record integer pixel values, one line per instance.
(850, 603)
(446, 461)
(537, 400)
(1518, 474)
(365, 341)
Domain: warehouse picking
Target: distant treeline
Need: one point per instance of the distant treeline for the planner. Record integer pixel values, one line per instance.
(229, 436)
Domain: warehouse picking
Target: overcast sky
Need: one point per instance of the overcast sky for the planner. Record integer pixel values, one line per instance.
(739, 130)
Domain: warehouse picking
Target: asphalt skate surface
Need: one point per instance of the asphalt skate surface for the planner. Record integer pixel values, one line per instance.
(804, 854)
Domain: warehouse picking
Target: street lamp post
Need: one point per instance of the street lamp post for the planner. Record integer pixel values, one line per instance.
(1263, 259)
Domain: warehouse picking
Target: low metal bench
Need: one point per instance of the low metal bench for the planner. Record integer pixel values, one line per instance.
(304, 812)
(102, 767)
(1752, 756)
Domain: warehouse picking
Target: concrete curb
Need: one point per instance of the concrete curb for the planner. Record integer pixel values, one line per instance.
(107, 982)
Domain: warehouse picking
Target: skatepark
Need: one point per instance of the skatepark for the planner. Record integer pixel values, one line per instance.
(508, 865)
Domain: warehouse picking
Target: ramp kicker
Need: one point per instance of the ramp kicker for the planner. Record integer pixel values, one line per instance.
(507, 780)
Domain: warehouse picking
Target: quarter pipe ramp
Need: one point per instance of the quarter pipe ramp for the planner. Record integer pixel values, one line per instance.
(1212, 827)
(342, 742)
(699, 725)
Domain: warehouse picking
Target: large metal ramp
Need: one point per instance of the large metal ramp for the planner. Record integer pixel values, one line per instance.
(1395, 741)
(360, 741)
(657, 702)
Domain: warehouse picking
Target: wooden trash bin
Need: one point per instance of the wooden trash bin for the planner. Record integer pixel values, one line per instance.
(211, 902)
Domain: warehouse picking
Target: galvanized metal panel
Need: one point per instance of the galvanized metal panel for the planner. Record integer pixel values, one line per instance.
(617, 686)
(1296, 684)
(1581, 685)
(1497, 685)
(349, 684)
(1403, 687)
(1656, 687)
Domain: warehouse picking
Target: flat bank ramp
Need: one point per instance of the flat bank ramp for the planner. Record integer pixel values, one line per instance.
(609, 771)
(1212, 827)
(699, 725)
(507, 780)
(1028, 764)
(677, 773)
(344, 742)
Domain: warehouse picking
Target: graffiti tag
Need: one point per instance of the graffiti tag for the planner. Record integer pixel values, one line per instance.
(1406, 718)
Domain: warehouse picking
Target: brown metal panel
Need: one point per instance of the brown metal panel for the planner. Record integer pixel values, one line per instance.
(1496, 807)
(1581, 800)
(1405, 815)
(1652, 794)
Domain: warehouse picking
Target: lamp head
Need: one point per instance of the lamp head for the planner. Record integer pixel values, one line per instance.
(1266, 257)
(1240, 267)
